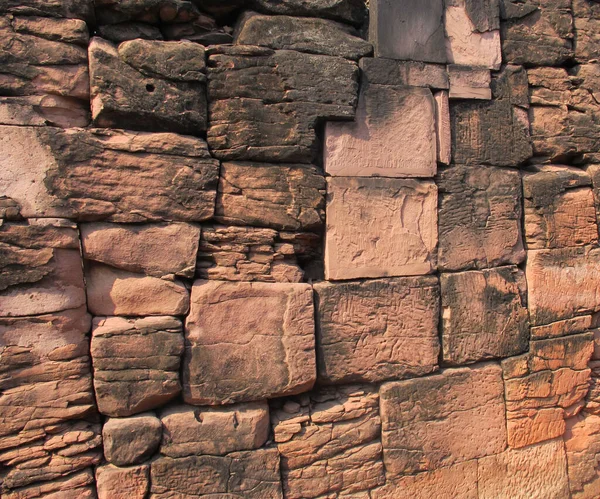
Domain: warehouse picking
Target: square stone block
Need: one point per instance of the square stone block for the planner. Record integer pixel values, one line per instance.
(378, 329)
(467, 82)
(248, 341)
(380, 227)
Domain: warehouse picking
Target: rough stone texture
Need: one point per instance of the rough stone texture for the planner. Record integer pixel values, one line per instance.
(47, 171)
(157, 250)
(314, 36)
(484, 315)
(131, 440)
(122, 32)
(411, 30)
(429, 423)
(378, 71)
(329, 442)
(279, 197)
(545, 386)
(562, 328)
(592, 403)
(559, 208)
(376, 330)
(136, 363)
(72, 9)
(248, 474)
(536, 471)
(582, 444)
(380, 227)
(469, 83)
(393, 135)
(480, 215)
(442, 127)
(150, 11)
(587, 28)
(148, 85)
(350, 11)
(78, 485)
(40, 267)
(122, 483)
(39, 110)
(562, 283)
(265, 104)
(248, 341)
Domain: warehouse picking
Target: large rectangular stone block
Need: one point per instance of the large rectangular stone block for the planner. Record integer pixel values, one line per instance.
(248, 341)
(380, 227)
(377, 329)
(582, 444)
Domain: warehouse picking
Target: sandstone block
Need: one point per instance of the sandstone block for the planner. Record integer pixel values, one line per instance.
(393, 135)
(280, 197)
(131, 440)
(582, 444)
(156, 250)
(479, 217)
(329, 442)
(545, 386)
(248, 341)
(148, 11)
(429, 423)
(484, 315)
(592, 402)
(47, 171)
(442, 127)
(79, 485)
(122, 483)
(380, 227)
(379, 71)
(587, 28)
(467, 82)
(122, 32)
(265, 104)
(248, 474)
(559, 208)
(192, 431)
(72, 9)
(562, 328)
(539, 470)
(350, 11)
(378, 329)
(42, 110)
(136, 363)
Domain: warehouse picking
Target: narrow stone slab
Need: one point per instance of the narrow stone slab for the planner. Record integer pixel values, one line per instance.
(562, 328)
(469, 83)
(72, 9)
(379, 71)
(442, 127)
(350, 11)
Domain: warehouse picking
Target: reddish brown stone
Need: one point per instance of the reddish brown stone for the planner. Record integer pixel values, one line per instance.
(582, 443)
(587, 28)
(562, 328)
(122, 483)
(131, 440)
(79, 485)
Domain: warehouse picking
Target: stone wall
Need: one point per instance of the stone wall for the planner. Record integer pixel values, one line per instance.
(299, 249)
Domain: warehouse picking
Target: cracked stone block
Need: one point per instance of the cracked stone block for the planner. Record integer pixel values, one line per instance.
(379, 71)
(536, 471)
(380, 227)
(47, 170)
(131, 440)
(479, 217)
(136, 363)
(562, 283)
(113, 482)
(582, 444)
(484, 315)
(303, 34)
(265, 105)
(429, 423)
(587, 30)
(394, 135)
(191, 431)
(349, 11)
(249, 474)
(148, 85)
(329, 442)
(559, 208)
(546, 386)
(377, 330)
(248, 341)
(280, 197)
(79, 485)
(467, 82)
(562, 328)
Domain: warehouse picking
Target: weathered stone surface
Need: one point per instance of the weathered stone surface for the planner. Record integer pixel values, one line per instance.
(350, 11)
(136, 363)
(592, 403)
(562, 328)
(42, 110)
(379, 71)
(150, 11)
(79, 485)
(562, 283)
(72, 9)
(469, 83)
(380, 227)
(131, 440)
(329, 442)
(157, 250)
(148, 85)
(442, 127)
(479, 217)
(587, 28)
(248, 341)
(545, 386)
(122, 483)
(47, 170)
(118, 292)
(582, 444)
(393, 135)
(376, 330)
(190, 431)
(537, 32)
(311, 35)
(248, 474)
(411, 30)
(122, 32)
(40, 267)
(281, 197)
(429, 423)
(265, 104)
(484, 315)
(559, 208)
(536, 471)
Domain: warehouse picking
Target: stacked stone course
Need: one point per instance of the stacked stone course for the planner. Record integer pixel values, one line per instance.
(299, 249)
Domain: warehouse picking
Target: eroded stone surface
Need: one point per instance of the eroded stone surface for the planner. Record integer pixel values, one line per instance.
(587, 28)
(131, 440)
(72, 9)
(79, 485)
(469, 83)
(379, 71)
(122, 483)
(562, 328)
(442, 127)
(582, 444)
(351, 11)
